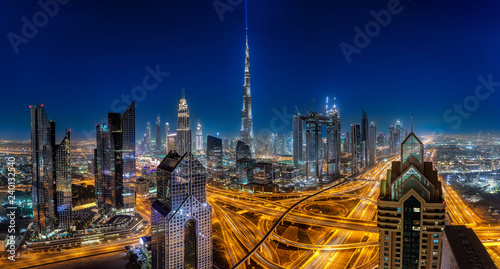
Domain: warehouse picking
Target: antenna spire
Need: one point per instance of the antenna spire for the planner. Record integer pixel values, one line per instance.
(246, 19)
(183, 94)
(412, 123)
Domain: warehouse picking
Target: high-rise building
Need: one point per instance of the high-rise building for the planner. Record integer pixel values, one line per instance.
(171, 142)
(148, 136)
(115, 163)
(214, 152)
(372, 144)
(167, 132)
(183, 139)
(158, 142)
(356, 148)
(246, 133)
(298, 140)
(51, 170)
(244, 162)
(63, 183)
(199, 138)
(411, 211)
(181, 218)
(317, 152)
(364, 139)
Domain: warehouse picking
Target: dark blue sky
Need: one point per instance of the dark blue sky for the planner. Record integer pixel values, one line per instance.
(90, 53)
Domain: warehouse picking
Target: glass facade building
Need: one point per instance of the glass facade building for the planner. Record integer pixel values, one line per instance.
(51, 170)
(181, 219)
(115, 163)
(183, 139)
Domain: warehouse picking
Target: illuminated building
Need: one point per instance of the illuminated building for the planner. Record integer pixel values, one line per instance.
(317, 152)
(158, 141)
(115, 163)
(244, 162)
(199, 138)
(356, 148)
(148, 136)
(167, 132)
(181, 219)
(364, 140)
(262, 173)
(142, 187)
(246, 133)
(51, 170)
(372, 144)
(411, 212)
(63, 201)
(183, 139)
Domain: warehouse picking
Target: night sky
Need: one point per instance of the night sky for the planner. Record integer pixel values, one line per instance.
(91, 53)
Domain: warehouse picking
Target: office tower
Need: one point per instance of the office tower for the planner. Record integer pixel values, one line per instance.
(199, 138)
(246, 133)
(393, 140)
(167, 132)
(158, 141)
(317, 152)
(364, 139)
(244, 162)
(357, 148)
(183, 139)
(181, 219)
(51, 185)
(63, 183)
(348, 140)
(372, 144)
(148, 136)
(381, 140)
(411, 211)
(171, 142)
(115, 163)
(462, 249)
(214, 152)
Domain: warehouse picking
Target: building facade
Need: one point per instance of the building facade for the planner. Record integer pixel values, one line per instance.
(181, 219)
(158, 142)
(246, 132)
(356, 148)
(183, 139)
(411, 212)
(51, 171)
(199, 138)
(115, 163)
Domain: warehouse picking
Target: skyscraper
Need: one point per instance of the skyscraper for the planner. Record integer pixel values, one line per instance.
(115, 163)
(372, 144)
(411, 211)
(51, 185)
(183, 139)
(364, 139)
(298, 136)
(214, 152)
(158, 141)
(181, 218)
(246, 133)
(63, 183)
(199, 138)
(148, 136)
(356, 148)
(318, 153)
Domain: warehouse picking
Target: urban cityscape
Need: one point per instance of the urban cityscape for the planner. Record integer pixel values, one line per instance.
(330, 165)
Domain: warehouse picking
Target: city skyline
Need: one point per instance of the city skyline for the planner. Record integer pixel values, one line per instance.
(319, 70)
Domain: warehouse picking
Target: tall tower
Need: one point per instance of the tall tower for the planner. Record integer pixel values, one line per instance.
(411, 211)
(50, 164)
(372, 144)
(298, 138)
(148, 136)
(115, 163)
(181, 218)
(356, 148)
(158, 133)
(364, 139)
(183, 139)
(199, 137)
(246, 133)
